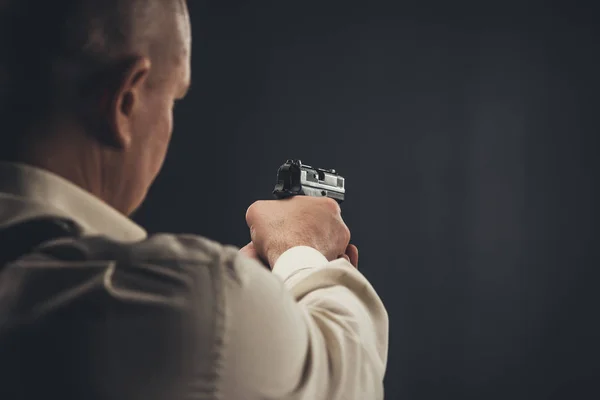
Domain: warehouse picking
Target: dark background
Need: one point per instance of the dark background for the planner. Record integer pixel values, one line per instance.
(467, 134)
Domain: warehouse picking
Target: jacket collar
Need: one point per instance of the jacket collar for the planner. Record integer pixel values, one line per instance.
(28, 192)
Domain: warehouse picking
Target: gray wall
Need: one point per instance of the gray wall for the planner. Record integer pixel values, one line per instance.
(467, 135)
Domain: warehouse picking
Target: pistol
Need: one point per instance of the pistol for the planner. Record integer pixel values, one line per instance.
(296, 179)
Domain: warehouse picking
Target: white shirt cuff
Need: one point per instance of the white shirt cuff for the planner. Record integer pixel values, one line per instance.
(297, 259)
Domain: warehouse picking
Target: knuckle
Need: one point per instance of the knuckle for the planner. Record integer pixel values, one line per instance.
(252, 211)
(332, 204)
(253, 234)
(249, 212)
(347, 235)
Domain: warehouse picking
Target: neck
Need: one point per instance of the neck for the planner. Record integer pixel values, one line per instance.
(69, 152)
(70, 155)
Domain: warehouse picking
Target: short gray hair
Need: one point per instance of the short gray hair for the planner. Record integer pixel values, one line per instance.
(48, 48)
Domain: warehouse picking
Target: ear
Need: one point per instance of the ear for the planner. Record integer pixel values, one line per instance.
(124, 100)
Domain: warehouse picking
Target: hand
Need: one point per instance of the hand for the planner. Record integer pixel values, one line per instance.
(278, 225)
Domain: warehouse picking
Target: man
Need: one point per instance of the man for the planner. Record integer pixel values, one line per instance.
(104, 312)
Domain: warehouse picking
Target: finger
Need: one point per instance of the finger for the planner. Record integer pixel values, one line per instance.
(249, 251)
(345, 256)
(352, 254)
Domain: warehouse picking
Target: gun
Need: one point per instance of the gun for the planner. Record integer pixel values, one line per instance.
(296, 179)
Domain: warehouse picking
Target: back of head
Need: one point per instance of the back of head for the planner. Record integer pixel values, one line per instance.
(54, 53)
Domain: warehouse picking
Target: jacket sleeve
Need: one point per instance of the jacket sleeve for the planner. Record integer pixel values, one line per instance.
(310, 330)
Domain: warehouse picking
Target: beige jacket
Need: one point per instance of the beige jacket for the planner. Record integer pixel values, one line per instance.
(118, 315)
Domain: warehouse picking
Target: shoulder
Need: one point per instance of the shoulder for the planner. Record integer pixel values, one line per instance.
(178, 269)
(165, 249)
(151, 311)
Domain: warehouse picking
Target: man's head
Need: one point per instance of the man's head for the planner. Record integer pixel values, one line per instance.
(87, 89)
